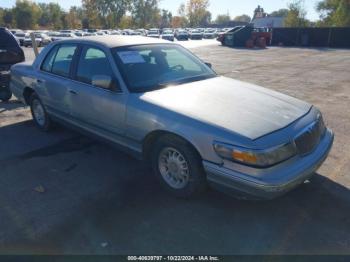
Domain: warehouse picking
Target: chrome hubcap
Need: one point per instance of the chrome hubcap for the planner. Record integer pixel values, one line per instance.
(38, 112)
(174, 168)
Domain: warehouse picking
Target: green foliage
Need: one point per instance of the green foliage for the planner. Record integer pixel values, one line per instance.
(280, 13)
(296, 15)
(222, 19)
(334, 12)
(197, 12)
(51, 16)
(26, 14)
(243, 18)
(112, 11)
(166, 19)
(8, 18)
(145, 13)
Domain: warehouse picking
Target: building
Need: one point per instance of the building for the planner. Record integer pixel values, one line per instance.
(262, 19)
(268, 21)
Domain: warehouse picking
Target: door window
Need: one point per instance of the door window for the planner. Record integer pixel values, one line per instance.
(63, 60)
(93, 61)
(48, 62)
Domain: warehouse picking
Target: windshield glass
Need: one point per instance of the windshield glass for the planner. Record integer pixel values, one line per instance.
(149, 67)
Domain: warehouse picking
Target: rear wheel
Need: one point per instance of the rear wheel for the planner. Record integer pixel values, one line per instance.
(178, 167)
(39, 114)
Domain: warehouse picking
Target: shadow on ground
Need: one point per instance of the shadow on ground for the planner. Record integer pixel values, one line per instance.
(94, 194)
(11, 105)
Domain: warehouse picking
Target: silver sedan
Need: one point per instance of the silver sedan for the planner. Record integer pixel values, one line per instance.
(159, 102)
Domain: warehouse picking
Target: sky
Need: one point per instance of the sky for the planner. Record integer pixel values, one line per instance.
(234, 7)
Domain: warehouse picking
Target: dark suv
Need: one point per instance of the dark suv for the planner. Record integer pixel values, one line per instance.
(10, 54)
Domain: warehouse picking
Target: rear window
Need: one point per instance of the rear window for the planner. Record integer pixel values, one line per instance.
(7, 39)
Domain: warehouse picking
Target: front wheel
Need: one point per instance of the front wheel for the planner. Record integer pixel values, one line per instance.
(39, 114)
(178, 167)
(5, 94)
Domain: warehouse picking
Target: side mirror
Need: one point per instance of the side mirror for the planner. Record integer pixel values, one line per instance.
(103, 81)
(209, 65)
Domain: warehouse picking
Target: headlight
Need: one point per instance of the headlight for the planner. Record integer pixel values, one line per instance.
(257, 158)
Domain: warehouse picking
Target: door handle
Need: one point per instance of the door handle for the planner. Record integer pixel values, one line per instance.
(73, 92)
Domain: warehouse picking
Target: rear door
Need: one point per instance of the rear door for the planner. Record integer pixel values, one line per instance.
(54, 78)
(100, 109)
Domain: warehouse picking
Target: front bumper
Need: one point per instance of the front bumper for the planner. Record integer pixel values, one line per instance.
(271, 182)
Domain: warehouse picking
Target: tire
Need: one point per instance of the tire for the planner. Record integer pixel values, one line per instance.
(39, 114)
(182, 174)
(5, 94)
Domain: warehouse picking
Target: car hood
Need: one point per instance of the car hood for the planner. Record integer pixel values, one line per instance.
(232, 105)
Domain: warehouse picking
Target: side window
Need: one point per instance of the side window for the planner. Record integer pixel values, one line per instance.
(93, 61)
(48, 62)
(63, 60)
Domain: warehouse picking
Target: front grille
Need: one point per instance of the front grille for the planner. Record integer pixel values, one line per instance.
(310, 138)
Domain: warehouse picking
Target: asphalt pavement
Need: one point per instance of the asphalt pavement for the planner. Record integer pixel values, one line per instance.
(64, 193)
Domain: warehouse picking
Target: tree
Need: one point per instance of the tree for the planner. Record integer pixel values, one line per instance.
(73, 18)
(296, 15)
(166, 19)
(145, 13)
(91, 18)
(280, 13)
(181, 19)
(51, 16)
(243, 18)
(26, 14)
(111, 11)
(222, 19)
(334, 12)
(197, 12)
(125, 22)
(8, 18)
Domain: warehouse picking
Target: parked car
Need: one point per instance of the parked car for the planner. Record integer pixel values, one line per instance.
(196, 35)
(181, 35)
(210, 34)
(155, 33)
(41, 39)
(63, 36)
(10, 54)
(21, 36)
(168, 35)
(158, 101)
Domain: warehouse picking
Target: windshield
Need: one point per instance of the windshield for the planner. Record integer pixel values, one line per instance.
(149, 67)
(155, 32)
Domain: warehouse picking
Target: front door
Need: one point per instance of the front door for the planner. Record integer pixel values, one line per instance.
(99, 109)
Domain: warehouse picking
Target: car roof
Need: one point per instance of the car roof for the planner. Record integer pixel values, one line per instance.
(112, 41)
